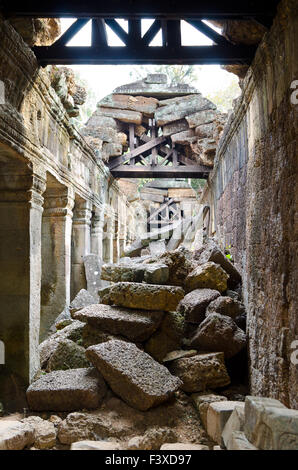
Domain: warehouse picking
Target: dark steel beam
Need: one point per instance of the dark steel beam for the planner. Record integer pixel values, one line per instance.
(145, 8)
(145, 55)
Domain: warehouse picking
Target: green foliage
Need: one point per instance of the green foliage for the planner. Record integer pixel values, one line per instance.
(175, 73)
(197, 184)
(223, 98)
(88, 108)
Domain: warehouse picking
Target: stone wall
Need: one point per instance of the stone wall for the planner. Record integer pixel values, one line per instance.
(58, 202)
(252, 200)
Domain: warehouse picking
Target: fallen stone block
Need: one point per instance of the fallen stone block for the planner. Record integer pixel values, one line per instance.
(219, 333)
(67, 390)
(95, 445)
(201, 372)
(234, 423)
(67, 355)
(175, 127)
(211, 252)
(194, 304)
(152, 439)
(136, 325)
(269, 425)
(167, 338)
(106, 134)
(202, 401)
(226, 306)
(133, 374)
(217, 415)
(149, 273)
(184, 137)
(173, 355)
(208, 275)
(205, 130)
(183, 446)
(238, 441)
(112, 149)
(81, 300)
(123, 115)
(143, 296)
(44, 432)
(200, 117)
(179, 110)
(179, 265)
(133, 103)
(15, 435)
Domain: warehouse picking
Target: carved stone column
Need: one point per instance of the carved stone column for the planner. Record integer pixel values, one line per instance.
(97, 223)
(81, 243)
(56, 254)
(20, 267)
(108, 242)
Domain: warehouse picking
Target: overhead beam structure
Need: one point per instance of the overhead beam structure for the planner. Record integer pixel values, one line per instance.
(167, 15)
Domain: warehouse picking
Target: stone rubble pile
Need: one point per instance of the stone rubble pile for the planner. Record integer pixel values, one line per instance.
(148, 366)
(191, 121)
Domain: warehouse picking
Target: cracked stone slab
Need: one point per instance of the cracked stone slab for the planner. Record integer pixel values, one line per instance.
(143, 296)
(67, 390)
(133, 374)
(137, 325)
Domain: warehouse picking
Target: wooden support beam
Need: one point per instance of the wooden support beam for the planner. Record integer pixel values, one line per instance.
(151, 33)
(209, 32)
(136, 8)
(160, 209)
(140, 54)
(71, 32)
(99, 32)
(130, 171)
(118, 30)
(138, 151)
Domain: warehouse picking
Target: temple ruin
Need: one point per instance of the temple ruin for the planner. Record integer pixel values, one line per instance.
(139, 313)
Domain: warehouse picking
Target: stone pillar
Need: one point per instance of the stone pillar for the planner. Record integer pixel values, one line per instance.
(108, 242)
(97, 233)
(81, 243)
(56, 254)
(20, 271)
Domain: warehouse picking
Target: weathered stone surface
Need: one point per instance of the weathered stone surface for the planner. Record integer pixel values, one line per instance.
(174, 127)
(68, 390)
(238, 441)
(168, 337)
(269, 425)
(217, 415)
(179, 266)
(152, 439)
(67, 355)
(149, 273)
(205, 130)
(115, 420)
(95, 445)
(132, 103)
(234, 423)
(194, 304)
(177, 111)
(143, 296)
(121, 114)
(98, 120)
(72, 332)
(211, 252)
(200, 117)
(44, 432)
(178, 99)
(183, 446)
(208, 275)
(63, 320)
(184, 137)
(133, 374)
(202, 401)
(226, 306)
(201, 372)
(106, 134)
(219, 333)
(37, 31)
(173, 355)
(81, 300)
(157, 248)
(134, 324)
(15, 435)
